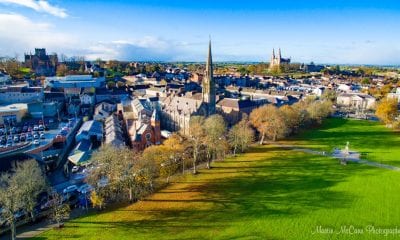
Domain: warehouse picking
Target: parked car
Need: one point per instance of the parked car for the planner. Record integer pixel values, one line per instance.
(85, 188)
(42, 136)
(35, 128)
(22, 137)
(75, 169)
(29, 137)
(35, 136)
(36, 142)
(41, 128)
(70, 189)
(16, 138)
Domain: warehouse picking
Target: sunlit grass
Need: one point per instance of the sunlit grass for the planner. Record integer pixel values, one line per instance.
(267, 193)
(373, 140)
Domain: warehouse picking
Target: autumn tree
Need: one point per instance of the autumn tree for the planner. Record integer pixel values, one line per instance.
(111, 167)
(329, 94)
(387, 110)
(163, 157)
(97, 199)
(176, 148)
(214, 129)
(318, 110)
(196, 134)
(241, 135)
(62, 70)
(59, 211)
(269, 122)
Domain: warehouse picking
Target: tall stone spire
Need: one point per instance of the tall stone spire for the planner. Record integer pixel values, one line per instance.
(209, 84)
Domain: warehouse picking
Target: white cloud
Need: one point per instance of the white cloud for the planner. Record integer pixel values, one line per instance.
(143, 49)
(19, 34)
(39, 6)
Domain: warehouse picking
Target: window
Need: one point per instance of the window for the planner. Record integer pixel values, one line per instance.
(148, 137)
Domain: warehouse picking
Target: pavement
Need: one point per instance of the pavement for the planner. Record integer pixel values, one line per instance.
(32, 230)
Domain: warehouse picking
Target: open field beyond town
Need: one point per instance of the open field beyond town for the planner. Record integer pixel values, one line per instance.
(267, 193)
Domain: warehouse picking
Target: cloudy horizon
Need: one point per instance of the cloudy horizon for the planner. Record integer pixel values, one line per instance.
(344, 33)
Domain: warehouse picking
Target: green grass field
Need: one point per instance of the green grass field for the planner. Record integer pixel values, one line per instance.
(267, 193)
(373, 140)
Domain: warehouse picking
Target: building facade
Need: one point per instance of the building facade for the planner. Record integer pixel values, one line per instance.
(277, 61)
(42, 63)
(177, 110)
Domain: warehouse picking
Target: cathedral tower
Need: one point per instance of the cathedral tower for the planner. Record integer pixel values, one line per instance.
(209, 90)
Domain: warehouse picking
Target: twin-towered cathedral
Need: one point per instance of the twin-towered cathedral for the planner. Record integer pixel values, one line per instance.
(277, 61)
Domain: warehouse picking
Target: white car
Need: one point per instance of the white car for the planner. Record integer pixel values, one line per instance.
(36, 142)
(85, 188)
(75, 169)
(70, 189)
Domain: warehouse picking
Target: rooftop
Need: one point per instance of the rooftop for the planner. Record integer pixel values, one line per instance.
(14, 107)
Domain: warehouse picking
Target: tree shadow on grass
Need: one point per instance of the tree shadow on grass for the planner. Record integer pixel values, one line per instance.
(290, 185)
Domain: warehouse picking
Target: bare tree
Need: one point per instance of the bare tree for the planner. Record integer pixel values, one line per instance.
(214, 129)
(20, 190)
(60, 211)
(196, 137)
(241, 135)
(31, 189)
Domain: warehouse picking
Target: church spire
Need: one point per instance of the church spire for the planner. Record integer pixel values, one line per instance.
(209, 67)
(209, 90)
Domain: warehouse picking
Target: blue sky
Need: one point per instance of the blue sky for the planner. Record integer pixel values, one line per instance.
(364, 32)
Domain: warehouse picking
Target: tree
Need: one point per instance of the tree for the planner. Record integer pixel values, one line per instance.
(329, 94)
(318, 110)
(121, 169)
(268, 121)
(12, 66)
(31, 189)
(10, 200)
(62, 70)
(292, 118)
(163, 156)
(19, 191)
(176, 148)
(59, 211)
(214, 129)
(196, 133)
(275, 70)
(241, 135)
(97, 200)
(387, 110)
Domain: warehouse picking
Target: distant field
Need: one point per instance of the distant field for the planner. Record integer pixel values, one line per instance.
(268, 193)
(372, 139)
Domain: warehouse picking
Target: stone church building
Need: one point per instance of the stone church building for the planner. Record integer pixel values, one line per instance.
(177, 110)
(277, 60)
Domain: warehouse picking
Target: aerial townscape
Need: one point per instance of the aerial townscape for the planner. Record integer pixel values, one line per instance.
(179, 120)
